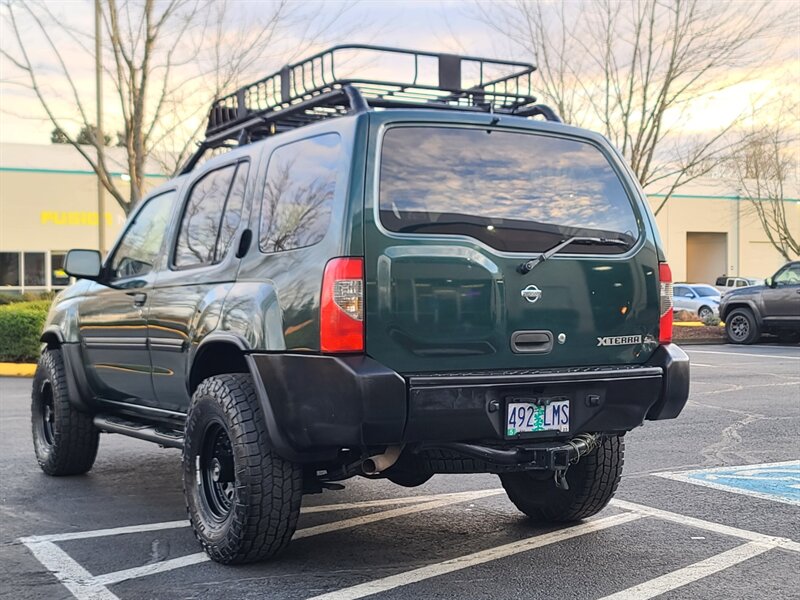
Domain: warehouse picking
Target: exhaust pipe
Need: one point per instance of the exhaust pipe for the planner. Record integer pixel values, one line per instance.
(380, 462)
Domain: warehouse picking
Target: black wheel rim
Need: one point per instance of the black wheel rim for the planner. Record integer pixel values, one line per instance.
(215, 472)
(47, 418)
(739, 327)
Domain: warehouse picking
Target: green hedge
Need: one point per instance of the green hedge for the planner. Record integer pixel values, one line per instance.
(20, 327)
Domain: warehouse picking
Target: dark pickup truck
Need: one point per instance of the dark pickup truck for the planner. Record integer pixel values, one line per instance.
(770, 308)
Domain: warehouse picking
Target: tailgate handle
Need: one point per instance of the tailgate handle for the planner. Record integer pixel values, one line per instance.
(531, 342)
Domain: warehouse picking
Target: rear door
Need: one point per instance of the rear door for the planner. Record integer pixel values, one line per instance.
(452, 214)
(188, 294)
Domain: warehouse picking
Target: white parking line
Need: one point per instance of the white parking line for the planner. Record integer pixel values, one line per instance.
(704, 568)
(69, 572)
(82, 535)
(691, 351)
(390, 501)
(470, 560)
(745, 534)
(86, 586)
(152, 568)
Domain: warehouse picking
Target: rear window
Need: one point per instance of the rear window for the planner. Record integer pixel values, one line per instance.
(513, 191)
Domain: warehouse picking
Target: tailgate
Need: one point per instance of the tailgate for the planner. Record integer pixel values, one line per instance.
(458, 210)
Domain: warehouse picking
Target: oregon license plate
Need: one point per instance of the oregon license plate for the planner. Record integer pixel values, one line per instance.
(526, 417)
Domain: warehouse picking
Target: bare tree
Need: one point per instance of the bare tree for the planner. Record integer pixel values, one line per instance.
(167, 62)
(633, 70)
(763, 164)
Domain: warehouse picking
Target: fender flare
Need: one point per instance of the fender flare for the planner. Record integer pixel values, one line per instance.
(276, 440)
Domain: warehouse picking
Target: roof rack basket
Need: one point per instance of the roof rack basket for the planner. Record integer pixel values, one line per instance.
(321, 87)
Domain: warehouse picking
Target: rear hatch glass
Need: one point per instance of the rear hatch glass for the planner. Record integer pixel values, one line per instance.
(458, 210)
(514, 192)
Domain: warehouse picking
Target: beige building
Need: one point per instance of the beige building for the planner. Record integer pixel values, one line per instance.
(709, 230)
(48, 204)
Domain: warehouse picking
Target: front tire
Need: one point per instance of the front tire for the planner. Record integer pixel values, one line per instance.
(243, 500)
(705, 313)
(65, 440)
(593, 480)
(741, 327)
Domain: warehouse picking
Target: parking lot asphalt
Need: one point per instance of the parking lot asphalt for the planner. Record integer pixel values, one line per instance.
(677, 529)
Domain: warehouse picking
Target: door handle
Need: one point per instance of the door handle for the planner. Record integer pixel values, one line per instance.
(139, 298)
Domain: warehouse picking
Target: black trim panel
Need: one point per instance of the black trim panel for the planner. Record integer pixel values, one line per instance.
(114, 343)
(166, 344)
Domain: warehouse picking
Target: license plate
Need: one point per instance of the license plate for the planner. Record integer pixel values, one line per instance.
(525, 417)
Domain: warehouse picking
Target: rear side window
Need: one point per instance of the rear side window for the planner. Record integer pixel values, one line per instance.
(513, 191)
(300, 187)
(199, 230)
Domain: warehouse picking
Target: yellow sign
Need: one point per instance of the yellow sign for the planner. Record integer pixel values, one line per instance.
(52, 217)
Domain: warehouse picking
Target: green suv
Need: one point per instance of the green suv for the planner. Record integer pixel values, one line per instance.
(376, 278)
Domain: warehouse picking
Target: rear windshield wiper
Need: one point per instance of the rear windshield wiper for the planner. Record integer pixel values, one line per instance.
(529, 265)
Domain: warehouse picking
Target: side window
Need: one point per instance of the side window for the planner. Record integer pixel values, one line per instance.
(199, 229)
(140, 246)
(299, 191)
(789, 276)
(680, 291)
(232, 216)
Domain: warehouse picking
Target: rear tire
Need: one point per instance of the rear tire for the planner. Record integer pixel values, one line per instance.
(243, 500)
(592, 483)
(65, 440)
(741, 327)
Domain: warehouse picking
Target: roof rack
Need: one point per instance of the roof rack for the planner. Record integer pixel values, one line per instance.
(322, 86)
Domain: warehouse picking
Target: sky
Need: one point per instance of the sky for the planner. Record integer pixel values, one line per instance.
(434, 25)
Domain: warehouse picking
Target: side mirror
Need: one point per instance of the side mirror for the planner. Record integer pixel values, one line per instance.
(83, 264)
(770, 282)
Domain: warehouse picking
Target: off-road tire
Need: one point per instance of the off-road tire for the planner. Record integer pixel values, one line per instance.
(65, 439)
(268, 489)
(741, 327)
(592, 483)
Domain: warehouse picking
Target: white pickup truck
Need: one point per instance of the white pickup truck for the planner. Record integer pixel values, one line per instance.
(726, 284)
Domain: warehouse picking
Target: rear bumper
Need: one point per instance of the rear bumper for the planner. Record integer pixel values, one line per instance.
(316, 405)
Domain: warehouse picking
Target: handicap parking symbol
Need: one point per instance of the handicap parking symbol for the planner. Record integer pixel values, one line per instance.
(770, 481)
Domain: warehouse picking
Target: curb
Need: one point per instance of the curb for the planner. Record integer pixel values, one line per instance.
(17, 369)
(700, 342)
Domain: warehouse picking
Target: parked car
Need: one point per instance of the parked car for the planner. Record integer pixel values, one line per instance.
(700, 299)
(442, 286)
(726, 284)
(773, 308)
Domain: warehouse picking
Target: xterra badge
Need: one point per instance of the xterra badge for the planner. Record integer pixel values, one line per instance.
(619, 340)
(531, 293)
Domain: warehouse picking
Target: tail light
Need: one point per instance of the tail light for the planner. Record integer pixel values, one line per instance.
(665, 295)
(342, 306)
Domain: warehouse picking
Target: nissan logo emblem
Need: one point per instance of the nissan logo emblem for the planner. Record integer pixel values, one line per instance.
(531, 293)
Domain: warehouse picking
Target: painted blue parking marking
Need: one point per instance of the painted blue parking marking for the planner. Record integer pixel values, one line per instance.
(770, 481)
